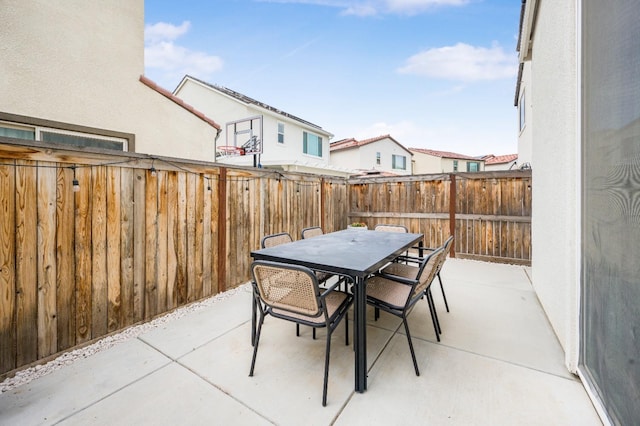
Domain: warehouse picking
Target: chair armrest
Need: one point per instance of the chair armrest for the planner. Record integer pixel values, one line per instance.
(336, 284)
(396, 278)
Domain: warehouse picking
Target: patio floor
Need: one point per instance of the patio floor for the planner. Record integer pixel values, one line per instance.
(499, 363)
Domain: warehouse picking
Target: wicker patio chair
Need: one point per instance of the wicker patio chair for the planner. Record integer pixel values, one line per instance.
(312, 231)
(275, 240)
(292, 293)
(397, 295)
(390, 228)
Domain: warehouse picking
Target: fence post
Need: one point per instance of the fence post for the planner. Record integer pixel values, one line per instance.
(452, 212)
(322, 206)
(222, 230)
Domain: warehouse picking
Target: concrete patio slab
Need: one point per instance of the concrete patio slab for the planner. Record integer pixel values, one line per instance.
(498, 363)
(461, 388)
(69, 390)
(170, 396)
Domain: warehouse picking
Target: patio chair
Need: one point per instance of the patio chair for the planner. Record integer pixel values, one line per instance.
(397, 295)
(390, 228)
(292, 293)
(275, 240)
(283, 238)
(315, 231)
(310, 232)
(446, 248)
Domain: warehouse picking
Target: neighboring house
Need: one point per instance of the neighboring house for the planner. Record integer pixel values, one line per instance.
(72, 73)
(427, 161)
(500, 162)
(288, 142)
(580, 71)
(382, 155)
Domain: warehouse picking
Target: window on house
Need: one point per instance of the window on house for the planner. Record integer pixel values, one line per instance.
(473, 166)
(18, 132)
(521, 107)
(455, 165)
(61, 136)
(399, 162)
(280, 132)
(311, 144)
(378, 158)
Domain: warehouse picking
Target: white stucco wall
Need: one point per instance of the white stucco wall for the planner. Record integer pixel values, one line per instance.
(363, 157)
(525, 139)
(227, 109)
(425, 163)
(555, 160)
(79, 62)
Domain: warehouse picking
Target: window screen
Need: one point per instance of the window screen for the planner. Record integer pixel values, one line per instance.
(610, 308)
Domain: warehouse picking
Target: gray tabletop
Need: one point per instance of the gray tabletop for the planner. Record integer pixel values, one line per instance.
(350, 252)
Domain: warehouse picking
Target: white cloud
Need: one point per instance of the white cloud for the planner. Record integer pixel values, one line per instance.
(463, 62)
(378, 7)
(171, 60)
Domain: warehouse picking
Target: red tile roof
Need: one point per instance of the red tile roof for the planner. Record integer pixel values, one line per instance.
(443, 154)
(179, 101)
(353, 143)
(500, 159)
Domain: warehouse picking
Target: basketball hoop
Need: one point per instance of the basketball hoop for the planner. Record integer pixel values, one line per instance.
(229, 151)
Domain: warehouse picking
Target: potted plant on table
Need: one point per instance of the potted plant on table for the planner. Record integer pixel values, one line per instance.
(358, 226)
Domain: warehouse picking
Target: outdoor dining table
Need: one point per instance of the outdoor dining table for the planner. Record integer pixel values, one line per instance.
(354, 253)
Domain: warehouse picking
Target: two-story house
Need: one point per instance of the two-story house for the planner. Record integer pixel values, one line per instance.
(500, 162)
(257, 134)
(427, 161)
(379, 155)
(71, 73)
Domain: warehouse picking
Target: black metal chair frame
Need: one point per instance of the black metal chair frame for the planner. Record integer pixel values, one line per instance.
(415, 294)
(330, 322)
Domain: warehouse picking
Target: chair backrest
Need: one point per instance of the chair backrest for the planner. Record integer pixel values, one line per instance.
(289, 287)
(446, 247)
(391, 228)
(429, 267)
(275, 240)
(311, 232)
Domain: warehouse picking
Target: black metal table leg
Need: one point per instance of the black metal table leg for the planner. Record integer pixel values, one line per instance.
(360, 334)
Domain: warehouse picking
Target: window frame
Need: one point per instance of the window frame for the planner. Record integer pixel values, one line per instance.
(55, 127)
(394, 160)
(280, 138)
(305, 144)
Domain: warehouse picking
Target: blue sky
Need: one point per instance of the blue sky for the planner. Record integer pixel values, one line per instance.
(437, 74)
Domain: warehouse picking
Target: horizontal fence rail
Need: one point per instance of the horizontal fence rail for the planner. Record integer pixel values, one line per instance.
(93, 242)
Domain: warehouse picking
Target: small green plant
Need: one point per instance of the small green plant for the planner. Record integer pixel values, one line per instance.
(358, 224)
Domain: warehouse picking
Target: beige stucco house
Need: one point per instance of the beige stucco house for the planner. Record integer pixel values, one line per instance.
(500, 162)
(72, 72)
(578, 99)
(374, 156)
(427, 161)
(288, 142)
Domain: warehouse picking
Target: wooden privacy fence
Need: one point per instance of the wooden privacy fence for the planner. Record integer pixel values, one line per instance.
(92, 242)
(489, 213)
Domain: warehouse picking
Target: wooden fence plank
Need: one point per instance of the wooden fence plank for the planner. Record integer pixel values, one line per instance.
(46, 208)
(162, 241)
(7, 268)
(26, 263)
(181, 240)
(151, 245)
(83, 259)
(114, 284)
(99, 288)
(191, 238)
(127, 225)
(139, 244)
(65, 260)
(172, 236)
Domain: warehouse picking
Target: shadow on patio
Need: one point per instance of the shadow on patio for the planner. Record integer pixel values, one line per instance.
(499, 362)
